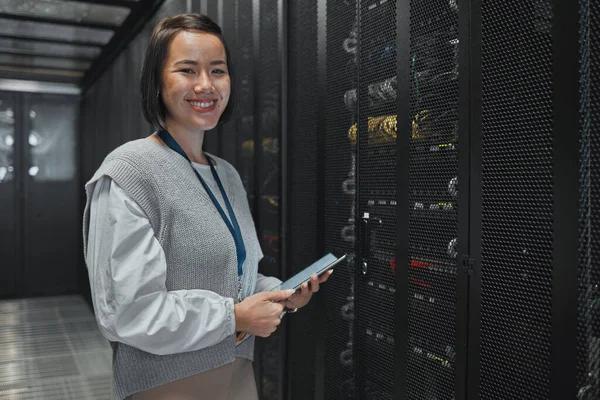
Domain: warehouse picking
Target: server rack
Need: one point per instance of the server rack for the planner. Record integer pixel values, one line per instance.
(588, 321)
(376, 198)
(305, 200)
(434, 182)
(433, 142)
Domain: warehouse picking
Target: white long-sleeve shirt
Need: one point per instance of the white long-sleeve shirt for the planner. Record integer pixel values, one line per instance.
(130, 298)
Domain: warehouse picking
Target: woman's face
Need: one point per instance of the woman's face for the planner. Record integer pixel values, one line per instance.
(196, 84)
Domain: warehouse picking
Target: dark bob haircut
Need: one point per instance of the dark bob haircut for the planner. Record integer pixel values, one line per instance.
(156, 54)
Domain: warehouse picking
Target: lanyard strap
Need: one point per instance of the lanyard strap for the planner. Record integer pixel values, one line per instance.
(232, 225)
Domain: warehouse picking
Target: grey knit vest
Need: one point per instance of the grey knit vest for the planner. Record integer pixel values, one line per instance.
(200, 251)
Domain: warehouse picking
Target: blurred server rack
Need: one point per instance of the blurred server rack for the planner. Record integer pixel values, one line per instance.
(251, 142)
(588, 323)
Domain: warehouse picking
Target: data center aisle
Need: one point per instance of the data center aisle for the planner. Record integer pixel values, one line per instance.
(51, 348)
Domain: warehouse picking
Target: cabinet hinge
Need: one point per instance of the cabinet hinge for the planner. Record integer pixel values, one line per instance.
(469, 264)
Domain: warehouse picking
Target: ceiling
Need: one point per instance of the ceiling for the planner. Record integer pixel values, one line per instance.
(68, 41)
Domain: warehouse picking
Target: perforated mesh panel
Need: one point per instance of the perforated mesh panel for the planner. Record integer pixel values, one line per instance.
(377, 196)
(433, 195)
(340, 192)
(230, 140)
(302, 142)
(212, 138)
(588, 377)
(268, 176)
(517, 195)
(245, 109)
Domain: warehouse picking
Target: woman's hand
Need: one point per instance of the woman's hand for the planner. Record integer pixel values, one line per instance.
(302, 297)
(259, 314)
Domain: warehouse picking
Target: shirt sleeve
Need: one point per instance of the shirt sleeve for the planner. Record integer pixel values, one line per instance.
(266, 283)
(127, 269)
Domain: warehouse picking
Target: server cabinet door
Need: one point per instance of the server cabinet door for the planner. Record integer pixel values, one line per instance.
(10, 264)
(340, 184)
(267, 181)
(229, 139)
(516, 199)
(433, 200)
(244, 55)
(376, 161)
(588, 332)
(52, 230)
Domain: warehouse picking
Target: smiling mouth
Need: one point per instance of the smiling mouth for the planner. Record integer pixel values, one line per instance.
(202, 107)
(202, 104)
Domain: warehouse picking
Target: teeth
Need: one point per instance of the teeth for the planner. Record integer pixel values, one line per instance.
(202, 104)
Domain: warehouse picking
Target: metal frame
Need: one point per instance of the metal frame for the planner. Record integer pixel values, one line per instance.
(16, 53)
(565, 34)
(133, 24)
(403, 40)
(16, 85)
(321, 228)
(257, 143)
(52, 41)
(475, 197)
(463, 316)
(284, 187)
(31, 68)
(220, 13)
(65, 22)
(361, 124)
(256, 104)
(10, 71)
(14, 100)
(117, 3)
(21, 161)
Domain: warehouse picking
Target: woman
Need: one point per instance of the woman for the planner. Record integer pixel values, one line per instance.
(170, 244)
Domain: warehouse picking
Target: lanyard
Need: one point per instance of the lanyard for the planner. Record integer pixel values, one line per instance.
(232, 225)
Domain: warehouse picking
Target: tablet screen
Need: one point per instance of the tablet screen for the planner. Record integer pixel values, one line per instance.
(322, 265)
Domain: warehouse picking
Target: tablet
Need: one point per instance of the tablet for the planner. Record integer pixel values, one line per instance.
(319, 267)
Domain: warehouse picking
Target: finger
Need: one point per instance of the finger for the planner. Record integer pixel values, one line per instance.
(278, 307)
(325, 276)
(304, 289)
(278, 295)
(314, 283)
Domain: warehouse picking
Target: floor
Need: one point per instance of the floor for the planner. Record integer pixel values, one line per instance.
(51, 349)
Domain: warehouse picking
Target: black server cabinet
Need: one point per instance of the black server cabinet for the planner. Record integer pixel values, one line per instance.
(439, 144)
(251, 142)
(10, 196)
(267, 54)
(39, 196)
(434, 138)
(339, 196)
(304, 191)
(588, 323)
(343, 154)
(374, 136)
(516, 243)
(524, 186)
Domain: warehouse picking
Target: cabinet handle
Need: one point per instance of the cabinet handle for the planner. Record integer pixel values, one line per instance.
(365, 245)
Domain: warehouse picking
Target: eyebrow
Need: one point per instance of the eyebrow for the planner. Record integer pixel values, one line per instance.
(192, 62)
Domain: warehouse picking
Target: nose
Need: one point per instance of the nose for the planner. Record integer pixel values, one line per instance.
(203, 84)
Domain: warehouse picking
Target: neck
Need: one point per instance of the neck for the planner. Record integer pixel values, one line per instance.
(190, 141)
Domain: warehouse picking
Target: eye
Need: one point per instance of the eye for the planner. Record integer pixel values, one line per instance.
(187, 71)
(219, 71)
